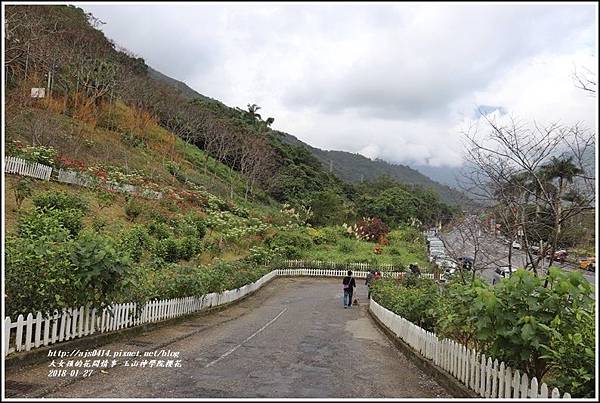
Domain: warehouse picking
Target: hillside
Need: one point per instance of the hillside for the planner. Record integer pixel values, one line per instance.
(352, 167)
(349, 167)
(183, 88)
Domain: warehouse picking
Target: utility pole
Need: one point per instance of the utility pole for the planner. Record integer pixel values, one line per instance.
(330, 166)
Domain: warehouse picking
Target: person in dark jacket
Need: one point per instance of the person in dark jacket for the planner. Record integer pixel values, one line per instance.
(370, 276)
(348, 283)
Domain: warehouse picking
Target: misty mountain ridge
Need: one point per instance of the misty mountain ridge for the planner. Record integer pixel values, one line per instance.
(350, 167)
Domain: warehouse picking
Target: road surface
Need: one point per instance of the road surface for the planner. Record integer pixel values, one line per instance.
(500, 257)
(293, 338)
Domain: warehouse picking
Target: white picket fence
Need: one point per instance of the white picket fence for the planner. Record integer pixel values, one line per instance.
(341, 273)
(486, 378)
(41, 329)
(19, 166)
(336, 269)
(319, 264)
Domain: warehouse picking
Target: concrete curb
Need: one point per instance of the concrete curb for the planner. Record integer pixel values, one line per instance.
(20, 360)
(444, 378)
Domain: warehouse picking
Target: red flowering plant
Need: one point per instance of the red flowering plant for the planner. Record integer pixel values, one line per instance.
(371, 229)
(99, 172)
(70, 163)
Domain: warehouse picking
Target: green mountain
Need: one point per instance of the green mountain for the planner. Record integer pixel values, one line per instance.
(350, 167)
(353, 167)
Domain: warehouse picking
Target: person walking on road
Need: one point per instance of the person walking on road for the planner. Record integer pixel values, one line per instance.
(348, 283)
(370, 276)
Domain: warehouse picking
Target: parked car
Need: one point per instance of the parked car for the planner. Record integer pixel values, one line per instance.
(516, 245)
(588, 264)
(534, 249)
(559, 255)
(466, 262)
(504, 271)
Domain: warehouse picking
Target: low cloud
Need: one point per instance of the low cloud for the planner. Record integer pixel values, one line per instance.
(391, 81)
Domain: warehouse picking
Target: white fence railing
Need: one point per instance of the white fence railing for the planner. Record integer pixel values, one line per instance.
(19, 166)
(484, 377)
(41, 329)
(340, 273)
(337, 269)
(319, 264)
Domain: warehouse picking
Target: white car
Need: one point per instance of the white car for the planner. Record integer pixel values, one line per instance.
(445, 262)
(516, 245)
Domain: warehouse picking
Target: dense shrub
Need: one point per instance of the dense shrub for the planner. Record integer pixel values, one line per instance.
(167, 249)
(43, 275)
(519, 315)
(188, 246)
(413, 298)
(60, 201)
(346, 246)
(291, 244)
(159, 230)
(322, 236)
(38, 276)
(135, 241)
(100, 266)
(22, 190)
(51, 224)
(133, 208)
(540, 325)
(191, 225)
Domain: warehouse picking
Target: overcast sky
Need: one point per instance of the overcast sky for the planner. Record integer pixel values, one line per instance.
(392, 81)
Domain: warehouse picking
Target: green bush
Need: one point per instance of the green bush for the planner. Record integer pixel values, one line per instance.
(133, 209)
(159, 230)
(520, 315)
(100, 266)
(290, 244)
(571, 355)
(52, 224)
(38, 276)
(188, 247)
(167, 249)
(135, 241)
(191, 225)
(413, 298)
(22, 191)
(60, 201)
(346, 246)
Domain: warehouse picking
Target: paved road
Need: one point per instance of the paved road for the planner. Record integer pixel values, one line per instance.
(291, 339)
(500, 257)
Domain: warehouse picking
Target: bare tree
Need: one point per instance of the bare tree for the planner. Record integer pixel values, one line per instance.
(536, 178)
(584, 80)
(465, 237)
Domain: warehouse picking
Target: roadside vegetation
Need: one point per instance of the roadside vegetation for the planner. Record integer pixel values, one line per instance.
(237, 200)
(543, 325)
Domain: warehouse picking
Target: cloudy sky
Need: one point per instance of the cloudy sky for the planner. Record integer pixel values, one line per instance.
(392, 81)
